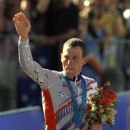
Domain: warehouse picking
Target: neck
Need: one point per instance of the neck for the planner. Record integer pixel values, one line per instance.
(73, 78)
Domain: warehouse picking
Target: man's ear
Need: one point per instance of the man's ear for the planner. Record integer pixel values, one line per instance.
(85, 59)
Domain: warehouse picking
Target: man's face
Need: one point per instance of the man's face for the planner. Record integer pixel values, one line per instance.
(72, 61)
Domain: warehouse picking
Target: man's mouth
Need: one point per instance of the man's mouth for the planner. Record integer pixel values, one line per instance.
(69, 69)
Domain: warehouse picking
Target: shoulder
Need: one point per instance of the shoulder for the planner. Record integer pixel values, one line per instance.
(89, 80)
(90, 84)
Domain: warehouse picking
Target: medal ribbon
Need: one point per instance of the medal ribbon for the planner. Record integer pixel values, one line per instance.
(78, 113)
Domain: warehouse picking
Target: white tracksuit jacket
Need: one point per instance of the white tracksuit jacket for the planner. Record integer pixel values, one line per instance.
(56, 97)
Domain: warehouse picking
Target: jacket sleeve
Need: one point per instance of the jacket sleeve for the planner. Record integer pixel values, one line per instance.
(30, 67)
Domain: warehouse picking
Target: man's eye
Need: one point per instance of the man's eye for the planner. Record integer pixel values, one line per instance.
(66, 57)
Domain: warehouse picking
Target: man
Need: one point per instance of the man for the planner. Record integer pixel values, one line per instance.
(58, 88)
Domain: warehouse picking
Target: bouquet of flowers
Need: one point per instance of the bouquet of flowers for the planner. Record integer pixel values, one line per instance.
(100, 107)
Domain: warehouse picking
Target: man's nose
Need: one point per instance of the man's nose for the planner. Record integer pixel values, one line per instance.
(70, 61)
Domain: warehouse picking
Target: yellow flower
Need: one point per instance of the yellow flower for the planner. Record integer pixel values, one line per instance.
(100, 106)
(96, 88)
(111, 104)
(101, 88)
(115, 100)
(112, 113)
(101, 110)
(108, 84)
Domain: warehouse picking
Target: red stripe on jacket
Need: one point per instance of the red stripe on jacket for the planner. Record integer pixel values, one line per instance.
(49, 111)
(63, 108)
(91, 83)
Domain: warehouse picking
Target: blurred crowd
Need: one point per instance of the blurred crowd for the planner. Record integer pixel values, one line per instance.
(101, 24)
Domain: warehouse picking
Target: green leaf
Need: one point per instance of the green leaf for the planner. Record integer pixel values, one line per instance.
(115, 104)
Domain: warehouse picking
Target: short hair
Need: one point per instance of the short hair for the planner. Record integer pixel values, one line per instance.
(76, 42)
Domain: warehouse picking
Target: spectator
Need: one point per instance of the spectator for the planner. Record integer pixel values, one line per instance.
(125, 64)
(2, 8)
(93, 31)
(110, 19)
(61, 24)
(8, 55)
(7, 27)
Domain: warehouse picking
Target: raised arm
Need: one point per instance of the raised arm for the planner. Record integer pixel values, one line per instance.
(31, 68)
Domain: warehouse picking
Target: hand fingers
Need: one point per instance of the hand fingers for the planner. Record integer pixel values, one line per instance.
(17, 18)
(14, 20)
(96, 127)
(99, 127)
(22, 15)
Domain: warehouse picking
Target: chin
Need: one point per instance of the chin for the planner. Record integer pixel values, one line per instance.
(69, 74)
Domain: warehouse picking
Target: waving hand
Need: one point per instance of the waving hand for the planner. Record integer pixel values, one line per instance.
(22, 25)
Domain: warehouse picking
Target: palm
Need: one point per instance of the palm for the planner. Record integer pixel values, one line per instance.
(22, 28)
(22, 24)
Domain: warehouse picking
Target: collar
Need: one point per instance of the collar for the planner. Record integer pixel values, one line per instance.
(74, 78)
